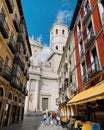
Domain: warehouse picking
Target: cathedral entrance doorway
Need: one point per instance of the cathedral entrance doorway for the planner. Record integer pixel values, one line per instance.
(44, 104)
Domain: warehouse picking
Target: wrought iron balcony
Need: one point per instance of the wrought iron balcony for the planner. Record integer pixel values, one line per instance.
(93, 69)
(15, 81)
(1, 64)
(84, 78)
(6, 72)
(4, 29)
(81, 53)
(16, 22)
(87, 14)
(26, 92)
(29, 63)
(10, 5)
(22, 26)
(22, 37)
(27, 76)
(90, 38)
(27, 57)
(25, 71)
(11, 44)
(79, 33)
(19, 59)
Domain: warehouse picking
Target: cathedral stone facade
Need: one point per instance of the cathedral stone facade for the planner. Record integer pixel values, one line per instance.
(43, 84)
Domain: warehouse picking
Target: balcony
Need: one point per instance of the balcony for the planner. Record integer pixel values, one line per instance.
(26, 92)
(11, 44)
(6, 72)
(16, 22)
(1, 64)
(25, 71)
(93, 69)
(22, 26)
(27, 76)
(87, 14)
(81, 53)
(22, 37)
(29, 64)
(15, 81)
(19, 59)
(90, 38)
(84, 78)
(10, 5)
(4, 29)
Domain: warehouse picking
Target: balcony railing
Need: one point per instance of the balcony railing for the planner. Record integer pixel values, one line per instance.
(3, 25)
(84, 78)
(1, 64)
(22, 26)
(16, 22)
(90, 38)
(79, 33)
(94, 68)
(19, 59)
(6, 72)
(86, 14)
(22, 37)
(10, 5)
(11, 44)
(26, 92)
(27, 76)
(81, 53)
(15, 81)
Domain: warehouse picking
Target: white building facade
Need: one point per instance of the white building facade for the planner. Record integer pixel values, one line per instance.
(43, 89)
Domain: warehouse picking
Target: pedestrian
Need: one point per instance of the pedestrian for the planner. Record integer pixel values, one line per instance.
(48, 118)
(54, 119)
(44, 118)
(58, 119)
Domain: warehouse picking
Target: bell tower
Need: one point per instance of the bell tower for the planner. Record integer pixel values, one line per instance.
(58, 36)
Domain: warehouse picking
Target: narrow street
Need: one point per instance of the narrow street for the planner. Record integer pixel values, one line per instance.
(32, 123)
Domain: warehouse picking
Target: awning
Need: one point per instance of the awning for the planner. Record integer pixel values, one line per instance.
(88, 95)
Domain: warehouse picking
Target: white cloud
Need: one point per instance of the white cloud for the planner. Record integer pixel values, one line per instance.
(45, 53)
(64, 15)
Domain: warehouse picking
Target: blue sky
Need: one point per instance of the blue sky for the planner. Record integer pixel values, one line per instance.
(41, 14)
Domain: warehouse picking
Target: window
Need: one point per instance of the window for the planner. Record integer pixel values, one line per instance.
(102, 2)
(56, 47)
(63, 48)
(6, 60)
(79, 29)
(101, 10)
(63, 31)
(56, 31)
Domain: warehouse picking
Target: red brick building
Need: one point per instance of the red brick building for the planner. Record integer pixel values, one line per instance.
(88, 27)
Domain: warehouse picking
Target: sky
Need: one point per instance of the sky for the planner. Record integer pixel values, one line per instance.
(40, 15)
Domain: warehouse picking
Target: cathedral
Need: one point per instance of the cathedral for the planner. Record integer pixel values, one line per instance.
(43, 88)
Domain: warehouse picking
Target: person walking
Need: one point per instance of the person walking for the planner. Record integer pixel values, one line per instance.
(44, 118)
(48, 118)
(54, 119)
(57, 120)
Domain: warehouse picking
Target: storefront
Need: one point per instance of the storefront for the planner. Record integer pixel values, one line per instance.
(90, 104)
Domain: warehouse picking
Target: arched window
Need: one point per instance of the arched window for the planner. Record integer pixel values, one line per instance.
(56, 31)
(56, 47)
(1, 92)
(10, 96)
(63, 31)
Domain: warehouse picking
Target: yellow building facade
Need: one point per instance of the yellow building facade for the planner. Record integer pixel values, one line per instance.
(14, 62)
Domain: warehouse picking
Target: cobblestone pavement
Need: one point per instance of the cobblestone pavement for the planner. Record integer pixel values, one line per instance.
(32, 123)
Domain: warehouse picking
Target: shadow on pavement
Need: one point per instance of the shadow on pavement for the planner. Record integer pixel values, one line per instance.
(29, 123)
